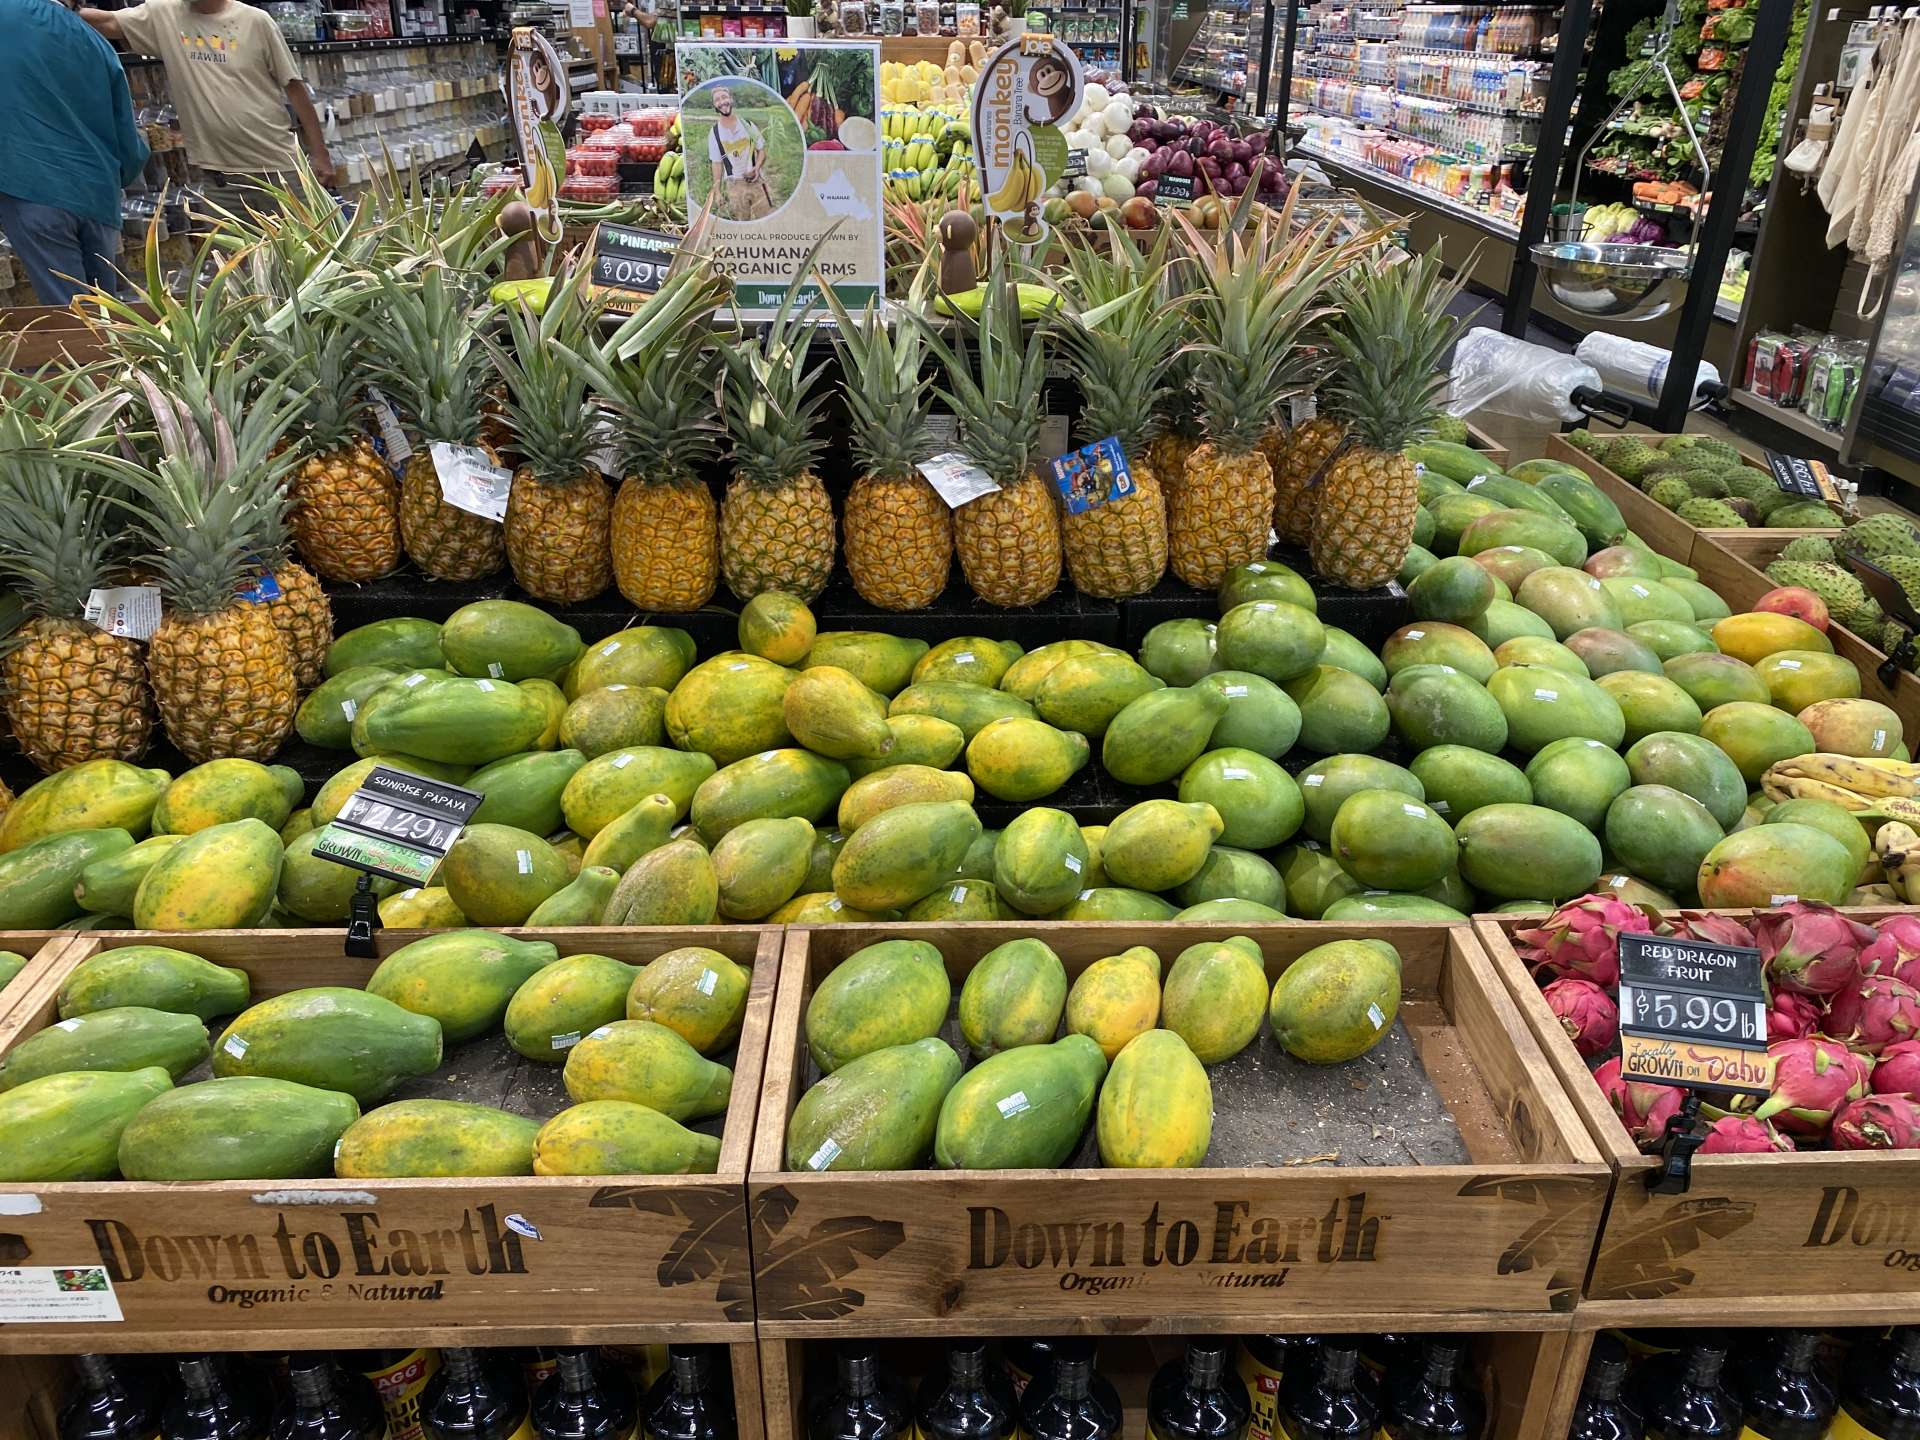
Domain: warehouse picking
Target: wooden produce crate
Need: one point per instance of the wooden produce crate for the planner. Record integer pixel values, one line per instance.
(43, 949)
(1831, 1238)
(1478, 439)
(1498, 1239)
(320, 1264)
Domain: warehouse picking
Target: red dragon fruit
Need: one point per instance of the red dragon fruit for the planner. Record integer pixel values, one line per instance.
(1873, 1012)
(1897, 951)
(1642, 1108)
(1879, 1122)
(1712, 928)
(1897, 1072)
(1810, 948)
(1791, 1016)
(1582, 939)
(1586, 1012)
(1743, 1135)
(1812, 1078)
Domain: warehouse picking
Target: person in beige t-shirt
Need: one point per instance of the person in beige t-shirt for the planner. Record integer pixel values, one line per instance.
(232, 78)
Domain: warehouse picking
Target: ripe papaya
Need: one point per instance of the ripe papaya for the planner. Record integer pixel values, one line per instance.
(772, 785)
(777, 627)
(615, 717)
(328, 799)
(153, 976)
(458, 721)
(129, 1037)
(1159, 844)
(299, 823)
(609, 785)
(1023, 1109)
(1336, 1001)
(524, 790)
(68, 1126)
(1229, 912)
(1156, 1107)
(970, 707)
(94, 795)
(242, 1128)
(697, 993)
(891, 993)
(883, 663)
(729, 707)
(962, 901)
(561, 1002)
(647, 1064)
(759, 866)
(632, 833)
(315, 889)
(1161, 733)
(37, 880)
(220, 878)
(462, 979)
(655, 655)
(421, 908)
(498, 875)
(877, 1112)
(1024, 677)
(899, 785)
(325, 717)
(12, 962)
(823, 907)
(507, 640)
(1020, 759)
(1116, 999)
(328, 1036)
(218, 792)
(554, 699)
(832, 714)
(412, 1139)
(403, 643)
(1214, 996)
(904, 854)
(1108, 902)
(615, 1137)
(1014, 995)
(581, 901)
(970, 659)
(674, 885)
(917, 740)
(1040, 861)
(108, 885)
(1084, 693)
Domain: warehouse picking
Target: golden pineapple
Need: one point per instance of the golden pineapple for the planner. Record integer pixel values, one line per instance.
(655, 376)
(776, 536)
(346, 513)
(303, 616)
(1390, 332)
(1008, 541)
(560, 511)
(445, 541)
(899, 532)
(1305, 450)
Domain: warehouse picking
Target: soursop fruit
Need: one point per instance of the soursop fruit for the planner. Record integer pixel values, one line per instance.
(1905, 570)
(1748, 483)
(1809, 547)
(1835, 584)
(1628, 456)
(1450, 428)
(1717, 449)
(1707, 484)
(1807, 514)
(1710, 514)
(1774, 499)
(1670, 492)
(1674, 444)
(1583, 439)
(1883, 534)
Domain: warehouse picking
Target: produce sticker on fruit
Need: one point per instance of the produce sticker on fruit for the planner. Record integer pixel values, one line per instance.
(783, 152)
(1026, 92)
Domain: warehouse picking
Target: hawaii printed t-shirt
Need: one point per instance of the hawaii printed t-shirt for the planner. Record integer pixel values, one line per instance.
(229, 73)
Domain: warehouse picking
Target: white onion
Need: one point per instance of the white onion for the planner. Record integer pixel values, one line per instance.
(1117, 146)
(1128, 167)
(1138, 154)
(1118, 187)
(1099, 163)
(1095, 96)
(1117, 117)
(1087, 185)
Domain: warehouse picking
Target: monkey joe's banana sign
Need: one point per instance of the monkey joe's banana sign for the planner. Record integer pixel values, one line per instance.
(1025, 92)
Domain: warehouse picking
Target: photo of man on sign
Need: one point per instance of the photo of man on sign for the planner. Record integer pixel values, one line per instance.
(737, 150)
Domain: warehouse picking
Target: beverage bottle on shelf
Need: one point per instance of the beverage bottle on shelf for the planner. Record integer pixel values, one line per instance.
(688, 1402)
(208, 1407)
(1335, 1398)
(471, 1398)
(325, 1402)
(862, 1406)
(583, 1400)
(1602, 1413)
(1070, 1402)
(1389, 1355)
(1265, 1362)
(1787, 1398)
(1433, 1400)
(1686, 1397)
(1193, 1398)
(1026, 1361)
(1881, 1397)
(400, 1378)
(105, 1407)
(536, 1364)
(974, 1400)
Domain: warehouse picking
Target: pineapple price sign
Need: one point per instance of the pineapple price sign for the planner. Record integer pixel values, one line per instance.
(1693, 1014)
(1025, 93)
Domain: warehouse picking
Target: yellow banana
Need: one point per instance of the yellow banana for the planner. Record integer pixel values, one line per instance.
(1898, 846)
(1895, 807)
(1851, 772)
(1783, 788)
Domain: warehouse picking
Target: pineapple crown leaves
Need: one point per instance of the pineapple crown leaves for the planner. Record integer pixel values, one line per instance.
(1118, 330)
(887, 393)
(421, 334)
(1390, 334)
(546, 406)
(770, 401)
(415, 215)
(57, 536)
(654, 376)
(159, 332)
(993, 384)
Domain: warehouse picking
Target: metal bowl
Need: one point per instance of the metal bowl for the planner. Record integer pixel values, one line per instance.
(1630, 282)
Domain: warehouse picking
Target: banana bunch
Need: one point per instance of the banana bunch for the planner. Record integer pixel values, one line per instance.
(1025, 183)
(670, 180)
(911, 184)
(1883, 787)
(1897, 845)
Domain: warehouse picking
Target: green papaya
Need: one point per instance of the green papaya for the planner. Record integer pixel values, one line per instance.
(498, 875)
(1214, 997)
(647, 1064)
(242, 1128)
(772, 785)
(38, 879)
(563, 1001)
(12, 963)
(1156, 1106)
(325, 717)
(891, 993)
(221, 791)
(632, 833)
(108, 885)
(1084, 693)
(674, 885)
(463, 979)
(759, 866)
(609, 785)
(1023, 1109)
(1111, 902)
(68, 1126)
(962, 901)
(458, 721)
(404, 643)
(614, 1137)
(1233, 874)
(315, 889)
(1019, 759)
(615, 717)
(1040, 861)
(971, 659)
(330, 1037)
(437, 1139)
(970, 707)
(1161, 733)
(877, 1112)
(220, 878)
(1014, 995)
(95, 795)
(581, 901)
(655, 656)
(904, 854)
(697, 993)
(506, 640)
(1590, 508)
(155, 977)
(524, 790)
(128, 1037)
(917, 740)
(1228, 912)
(883, 663)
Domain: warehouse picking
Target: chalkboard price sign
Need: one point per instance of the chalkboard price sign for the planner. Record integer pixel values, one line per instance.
(631, 263)
(1693, 1014)
(1807, 479)
(1173, 189)
(398, 825)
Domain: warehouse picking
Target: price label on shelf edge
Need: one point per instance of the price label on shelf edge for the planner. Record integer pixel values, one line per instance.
(1693, 1014)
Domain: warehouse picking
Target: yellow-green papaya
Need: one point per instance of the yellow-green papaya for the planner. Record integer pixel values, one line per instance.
(609, 785)
(904, 854)
(891, 993)
(498, 875)
(325, 717)
(246, 1127)
(1040, 861)
(554, 699)
(823, 907)
(962, 901)
(418, 908)
(1116, 999)
(403, 643)
(218, 792)
(299, 823)
(647, 655)
(1336, 1001)
(772, 785)
(1022, 1109)
(697, 993)
(1027, 674)
(156, 977)
(832, 714)
(917, 740)
(524, 790)
(1214, 996)
(1084, 692)
(463, 978)
(564, 1001)
(315, 889)
(969, 659)
(68, 1126)
(647, 1064)
(435, 1139)
(615, 717)
(38, 881)
(1156, 1106)
(581, 901)
(777, 627)
(1014, 995)
(883, 663)
(94, 795)
(760, 865)
(968, 706)
(1159, 844)
(729, 707)
(1020, 759)
(674, 885)
(330, 1037)
(877, 1112)
(1160, 733)
(458, 721)
(613, 1137)
(220, 878)
(899, 785)
(826, 849)
(1109, 902)
(632, 833)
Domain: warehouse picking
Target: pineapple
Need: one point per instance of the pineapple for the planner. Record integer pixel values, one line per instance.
(1308, 447)
(776, 524)
(656, 379)
(422, 338)
(1391, 332)
(560, 511)
(1259, 286)
(899, 532)
(73, 692)
(1118, 333)
(1009, 540)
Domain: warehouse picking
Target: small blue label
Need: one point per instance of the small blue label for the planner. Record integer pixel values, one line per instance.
(262, 590)
(1093, 475)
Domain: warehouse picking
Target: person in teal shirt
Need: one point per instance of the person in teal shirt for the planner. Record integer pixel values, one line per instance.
(71, 146)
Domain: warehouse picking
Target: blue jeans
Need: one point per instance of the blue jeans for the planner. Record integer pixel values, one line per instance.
(65, 254)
